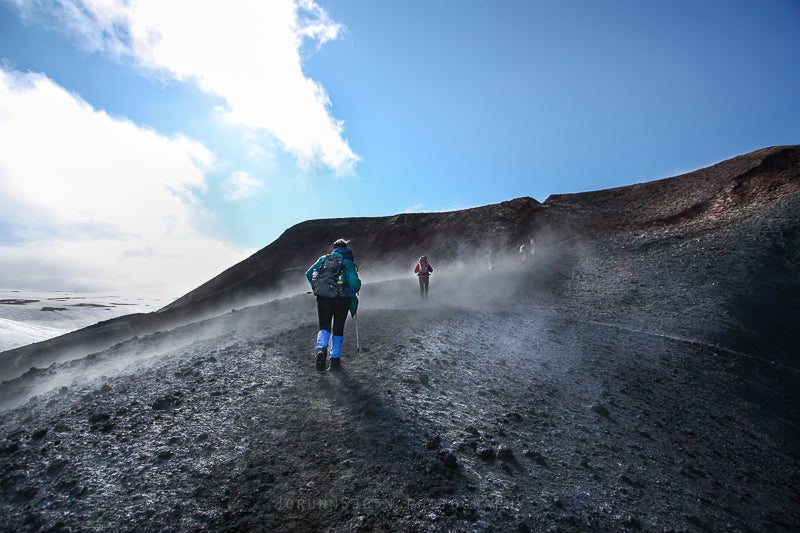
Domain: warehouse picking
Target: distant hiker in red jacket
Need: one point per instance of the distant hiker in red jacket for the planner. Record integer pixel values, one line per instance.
(423, 271)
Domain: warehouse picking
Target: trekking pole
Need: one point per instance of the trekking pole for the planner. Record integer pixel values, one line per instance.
(358, 346)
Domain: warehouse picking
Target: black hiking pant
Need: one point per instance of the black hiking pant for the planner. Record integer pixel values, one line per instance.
(333, 309)
(424, 281)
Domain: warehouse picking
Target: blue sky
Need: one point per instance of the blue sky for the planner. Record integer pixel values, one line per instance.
(148, 145)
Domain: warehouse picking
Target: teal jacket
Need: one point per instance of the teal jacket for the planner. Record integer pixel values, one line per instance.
(352, 283)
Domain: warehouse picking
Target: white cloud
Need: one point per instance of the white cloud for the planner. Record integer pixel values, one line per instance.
(92, 201)
(416, 208)
(240, 186)
(246, 51)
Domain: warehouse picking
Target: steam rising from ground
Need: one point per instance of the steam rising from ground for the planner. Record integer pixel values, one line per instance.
(139, 352)
(455, 286)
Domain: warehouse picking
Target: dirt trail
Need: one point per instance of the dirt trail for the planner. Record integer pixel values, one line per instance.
(527, 412)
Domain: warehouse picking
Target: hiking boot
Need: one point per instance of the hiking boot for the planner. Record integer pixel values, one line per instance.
(336, 364)
(322, 354)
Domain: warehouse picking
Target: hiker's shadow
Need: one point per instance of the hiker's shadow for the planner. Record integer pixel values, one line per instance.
(393, 440)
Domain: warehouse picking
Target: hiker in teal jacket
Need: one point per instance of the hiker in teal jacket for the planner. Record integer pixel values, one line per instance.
(334, 309)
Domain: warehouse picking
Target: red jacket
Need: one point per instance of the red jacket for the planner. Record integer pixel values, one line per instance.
(423, 271)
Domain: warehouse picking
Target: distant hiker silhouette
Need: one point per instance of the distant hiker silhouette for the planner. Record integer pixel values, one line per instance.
(423, 271)
(334, 280)
(490, 260)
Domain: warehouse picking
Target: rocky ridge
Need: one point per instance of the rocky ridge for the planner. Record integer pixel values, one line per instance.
(639, 372)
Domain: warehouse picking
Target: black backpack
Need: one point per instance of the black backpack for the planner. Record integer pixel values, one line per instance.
(326, 283)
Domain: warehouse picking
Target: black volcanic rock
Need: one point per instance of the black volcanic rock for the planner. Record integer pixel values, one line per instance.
(644, 362)
(379, 242)
(760, 184)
